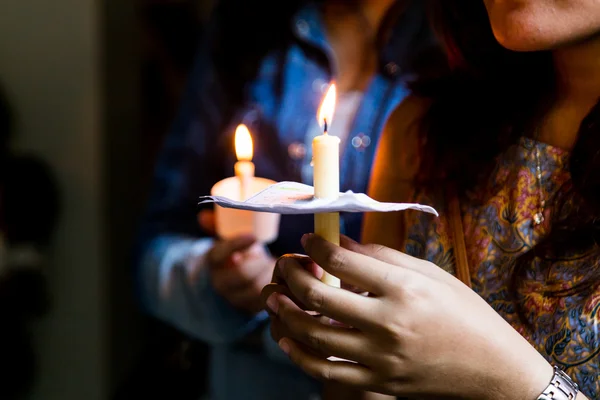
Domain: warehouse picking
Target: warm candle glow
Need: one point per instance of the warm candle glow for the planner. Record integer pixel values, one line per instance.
(243, 143)
(327, 108)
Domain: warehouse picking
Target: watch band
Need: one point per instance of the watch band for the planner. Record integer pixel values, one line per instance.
(561, 387)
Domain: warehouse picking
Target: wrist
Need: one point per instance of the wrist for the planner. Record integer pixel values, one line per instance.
(561, 387)
(523, 379)
(537, 379)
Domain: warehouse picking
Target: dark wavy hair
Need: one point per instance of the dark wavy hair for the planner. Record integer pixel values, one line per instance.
(488, 98)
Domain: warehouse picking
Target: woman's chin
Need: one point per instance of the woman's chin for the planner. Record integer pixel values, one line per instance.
(524, 45)
(533, 29)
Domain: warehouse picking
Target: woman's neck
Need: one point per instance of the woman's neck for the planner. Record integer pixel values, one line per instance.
(352, 32)
(577, 70)
(375, 11)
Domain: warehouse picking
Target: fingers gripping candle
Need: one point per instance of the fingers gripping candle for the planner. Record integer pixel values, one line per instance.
(326, 176)
(244, 167)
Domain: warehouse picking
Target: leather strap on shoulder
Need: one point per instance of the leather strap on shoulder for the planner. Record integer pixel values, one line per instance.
(461, 261)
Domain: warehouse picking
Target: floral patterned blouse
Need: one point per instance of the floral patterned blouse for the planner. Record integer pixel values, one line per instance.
(498, 227)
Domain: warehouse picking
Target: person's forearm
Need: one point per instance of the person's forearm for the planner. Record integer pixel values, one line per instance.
(183, 297)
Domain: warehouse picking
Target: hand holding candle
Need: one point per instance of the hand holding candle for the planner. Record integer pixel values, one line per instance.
(244, 168)
(326, 176)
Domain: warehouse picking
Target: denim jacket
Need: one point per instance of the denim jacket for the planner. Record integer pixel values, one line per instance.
(281, 103)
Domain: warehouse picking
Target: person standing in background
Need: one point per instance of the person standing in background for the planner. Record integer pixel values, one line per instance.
(266, 64)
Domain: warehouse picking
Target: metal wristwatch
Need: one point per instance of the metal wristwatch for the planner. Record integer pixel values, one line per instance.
(561, 387)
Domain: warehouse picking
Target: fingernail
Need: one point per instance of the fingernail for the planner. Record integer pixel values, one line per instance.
(273, 303)
(333, 322)
(304, 239)
(284, 346)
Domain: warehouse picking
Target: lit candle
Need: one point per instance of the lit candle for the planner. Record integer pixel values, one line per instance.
(326, 176)
(244, 167)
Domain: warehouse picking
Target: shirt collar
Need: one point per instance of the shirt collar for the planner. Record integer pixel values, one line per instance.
(308, 26)
(408, 33)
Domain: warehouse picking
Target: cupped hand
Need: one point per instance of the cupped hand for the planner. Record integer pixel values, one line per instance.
(239, 269)
(420, 333)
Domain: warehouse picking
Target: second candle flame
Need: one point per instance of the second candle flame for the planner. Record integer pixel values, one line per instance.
(327, 108)
(243, 144)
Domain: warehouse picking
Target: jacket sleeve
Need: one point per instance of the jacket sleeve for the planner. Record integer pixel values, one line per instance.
(192, 160)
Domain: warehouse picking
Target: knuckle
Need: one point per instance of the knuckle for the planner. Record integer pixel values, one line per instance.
(313, 298)
(414, 286)
(336, 259)
(375, 249)
(314, 340)
(394, 332)
(394, 366)
(325, 373)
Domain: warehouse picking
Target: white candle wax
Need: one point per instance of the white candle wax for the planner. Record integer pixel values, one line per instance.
(326, 178)
(244, 171)
(326, 164)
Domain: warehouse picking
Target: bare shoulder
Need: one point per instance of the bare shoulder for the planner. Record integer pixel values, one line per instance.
(395, 166)
(410, 111)
(399, 142)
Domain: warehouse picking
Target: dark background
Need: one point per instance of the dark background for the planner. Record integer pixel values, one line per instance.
(93, 86)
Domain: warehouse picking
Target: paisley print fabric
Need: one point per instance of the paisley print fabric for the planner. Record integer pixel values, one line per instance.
(498, 228)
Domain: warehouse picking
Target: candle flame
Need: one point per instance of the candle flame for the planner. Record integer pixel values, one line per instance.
(243, 143)
(327, 108)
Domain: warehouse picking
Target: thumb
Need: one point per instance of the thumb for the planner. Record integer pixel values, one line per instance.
(206, 220)
(223, 250)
